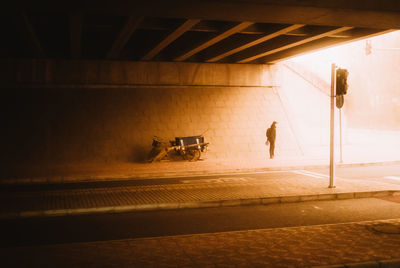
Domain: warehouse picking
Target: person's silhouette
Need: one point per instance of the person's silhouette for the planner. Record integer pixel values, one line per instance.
(271, 137)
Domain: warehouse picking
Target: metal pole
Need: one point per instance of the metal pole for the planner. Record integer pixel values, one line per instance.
(340, 128)
(332, 130)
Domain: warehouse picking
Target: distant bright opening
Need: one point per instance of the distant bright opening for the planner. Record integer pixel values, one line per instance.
(371, 111)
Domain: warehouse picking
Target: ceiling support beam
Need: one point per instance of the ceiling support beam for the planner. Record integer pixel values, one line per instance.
(123, 37)
(304, 41)
(360, 14)
(256, 42)
(285, 56)
(75, 34)
(170, 38)
(32, 35)
(226, 34)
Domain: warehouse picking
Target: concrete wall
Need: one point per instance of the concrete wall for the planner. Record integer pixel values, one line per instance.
(91, 111)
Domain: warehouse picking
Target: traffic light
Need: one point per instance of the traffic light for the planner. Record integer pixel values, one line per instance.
(368, 47)
(341, 81)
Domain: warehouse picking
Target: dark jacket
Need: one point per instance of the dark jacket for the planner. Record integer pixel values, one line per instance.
(271, 133)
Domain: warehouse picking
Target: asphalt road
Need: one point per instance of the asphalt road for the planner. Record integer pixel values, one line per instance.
(103, 227)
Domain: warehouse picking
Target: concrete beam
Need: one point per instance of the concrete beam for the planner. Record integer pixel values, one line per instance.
(304, 41)
(187, 25)
(367, 14)
(255, 42)
(123, 37)
(93, 73)
(287, 14)
(215, 40)
(31, 33)
(382, 14)
(75, 27)
(284, 55)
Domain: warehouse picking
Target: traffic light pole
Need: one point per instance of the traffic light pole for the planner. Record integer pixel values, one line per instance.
(332, 130)
(340, 132)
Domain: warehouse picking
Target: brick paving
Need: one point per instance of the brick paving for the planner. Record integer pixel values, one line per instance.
(305, 246)
(287, 187)
(124, 170)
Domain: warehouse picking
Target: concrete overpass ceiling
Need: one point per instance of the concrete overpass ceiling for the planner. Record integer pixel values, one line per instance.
(222, 31)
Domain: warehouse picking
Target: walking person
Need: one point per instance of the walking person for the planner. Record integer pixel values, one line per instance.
(271, 137)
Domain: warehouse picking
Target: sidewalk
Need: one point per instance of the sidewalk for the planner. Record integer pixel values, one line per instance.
(353, 245)
(167, 169)
(279, 187)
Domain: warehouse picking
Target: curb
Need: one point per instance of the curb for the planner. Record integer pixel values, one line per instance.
(198, 204)
(166, 175)
(393, 263)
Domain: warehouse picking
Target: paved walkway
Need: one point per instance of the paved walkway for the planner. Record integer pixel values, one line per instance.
(165, 169)
(278, 187)
(359, 244)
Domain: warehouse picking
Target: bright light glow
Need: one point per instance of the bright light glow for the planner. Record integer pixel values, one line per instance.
(320, 61)
(371, 111)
